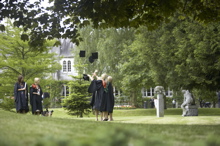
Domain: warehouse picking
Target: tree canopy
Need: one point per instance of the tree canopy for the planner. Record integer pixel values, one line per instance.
(182, 54)
(64, 17)
(17, 58)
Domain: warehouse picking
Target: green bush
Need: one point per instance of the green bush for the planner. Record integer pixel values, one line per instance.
(77, 103)
(7, 104)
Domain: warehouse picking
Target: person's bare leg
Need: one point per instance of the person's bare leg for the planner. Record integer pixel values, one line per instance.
(105, 114)
(110, 117)
(101, 113)
(96, 114)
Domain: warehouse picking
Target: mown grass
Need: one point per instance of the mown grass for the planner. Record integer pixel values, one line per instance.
(128, 128)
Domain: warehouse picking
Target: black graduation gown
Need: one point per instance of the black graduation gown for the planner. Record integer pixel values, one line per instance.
(97, 89)
(108, 99)
(21, 97)
(36, 100)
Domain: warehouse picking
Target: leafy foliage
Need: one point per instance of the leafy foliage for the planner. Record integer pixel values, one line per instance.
(77, 103)
(54, 88)
(109, 43)
(7, 104)
(182, 54)
(18, 58)
(44, 22)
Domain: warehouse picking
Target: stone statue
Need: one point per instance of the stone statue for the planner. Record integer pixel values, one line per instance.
(187, 103)
(159, 102)
(159, 90)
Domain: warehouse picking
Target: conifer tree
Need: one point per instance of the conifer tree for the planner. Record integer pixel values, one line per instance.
(77, 103)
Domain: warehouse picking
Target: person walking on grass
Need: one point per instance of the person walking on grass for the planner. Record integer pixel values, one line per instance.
(21, 95)
(36, 97)
(97, 89)
(110, 98)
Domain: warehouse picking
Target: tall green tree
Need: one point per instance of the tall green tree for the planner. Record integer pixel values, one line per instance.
(109, 43)
(18, 58)
(181, 55)
(54, 88)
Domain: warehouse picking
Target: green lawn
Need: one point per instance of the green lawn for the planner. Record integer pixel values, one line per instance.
(137, 127)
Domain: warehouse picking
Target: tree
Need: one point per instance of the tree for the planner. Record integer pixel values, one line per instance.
(44, 23)
(54, 88)
(77, 103)
(109, 43)
(20, 59)
(205, 95)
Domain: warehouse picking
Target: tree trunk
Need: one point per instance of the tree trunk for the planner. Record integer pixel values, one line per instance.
(165, 103)
(214, 103)
(81, 115)
(133, 99)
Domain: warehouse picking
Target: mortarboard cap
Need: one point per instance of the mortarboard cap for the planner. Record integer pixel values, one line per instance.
(82, 53)
(95, 55)
(91, 60)
(85, 77)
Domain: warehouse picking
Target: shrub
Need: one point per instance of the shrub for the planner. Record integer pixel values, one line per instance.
(7, 104)
(77, 103)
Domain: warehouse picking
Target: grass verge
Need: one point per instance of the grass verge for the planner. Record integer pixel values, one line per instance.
(61, 129)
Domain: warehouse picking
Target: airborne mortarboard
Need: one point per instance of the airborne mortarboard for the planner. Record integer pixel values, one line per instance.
(82, 53)
(91, 60)
(85, 77)
(95, 55)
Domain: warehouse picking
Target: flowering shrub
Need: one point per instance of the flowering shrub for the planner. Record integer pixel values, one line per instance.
(124, 107)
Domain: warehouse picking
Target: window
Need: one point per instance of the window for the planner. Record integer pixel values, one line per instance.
(148, 92)
(171, 93)
(144, 92)
(64, 66)
(152, 91)
(69, 66)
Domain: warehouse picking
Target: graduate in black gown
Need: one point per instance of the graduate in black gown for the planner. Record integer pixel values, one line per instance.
(108, 100)
(36, 97)
(97, 88)
(21, 95)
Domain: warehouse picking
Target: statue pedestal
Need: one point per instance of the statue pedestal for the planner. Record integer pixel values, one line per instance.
(192, 110)
(160, 105)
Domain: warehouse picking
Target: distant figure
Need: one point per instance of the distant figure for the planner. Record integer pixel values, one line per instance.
(155, 102)
(97, 89)
(36, 97)
(174, 103)
(188, 100)
(152, 102)
(21, 95)
(110, 98)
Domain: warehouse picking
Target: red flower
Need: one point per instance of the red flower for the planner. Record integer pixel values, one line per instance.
(34, 86)
(103, 83)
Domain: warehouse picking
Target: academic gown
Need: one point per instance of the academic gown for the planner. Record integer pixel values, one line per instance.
(36, 100)
(97, 89)
(21, 97)
(108, 99)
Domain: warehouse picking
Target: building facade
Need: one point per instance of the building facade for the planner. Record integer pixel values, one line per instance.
(64, 51)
